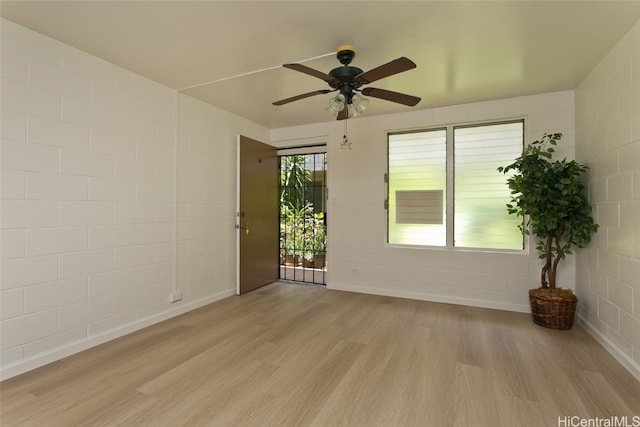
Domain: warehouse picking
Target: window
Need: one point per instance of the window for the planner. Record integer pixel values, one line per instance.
(417, 163)
(444, 188)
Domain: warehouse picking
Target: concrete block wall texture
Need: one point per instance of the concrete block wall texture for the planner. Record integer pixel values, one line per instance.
(608, 139)
(98, 167)
(81, 192)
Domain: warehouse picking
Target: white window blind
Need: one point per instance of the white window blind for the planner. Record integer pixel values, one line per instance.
(481, 219)
(417, 174)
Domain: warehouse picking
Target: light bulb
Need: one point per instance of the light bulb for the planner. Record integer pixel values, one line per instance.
(337, 103)
(360, 104)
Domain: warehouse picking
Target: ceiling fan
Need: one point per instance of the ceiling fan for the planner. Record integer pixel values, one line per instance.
(348, 80)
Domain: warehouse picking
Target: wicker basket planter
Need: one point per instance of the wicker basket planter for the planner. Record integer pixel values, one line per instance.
(553, 308)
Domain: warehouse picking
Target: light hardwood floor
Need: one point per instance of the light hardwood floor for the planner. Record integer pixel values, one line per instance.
(297, 355)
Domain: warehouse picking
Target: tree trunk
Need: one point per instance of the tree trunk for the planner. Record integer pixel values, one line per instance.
(554, 267)
(547, 264)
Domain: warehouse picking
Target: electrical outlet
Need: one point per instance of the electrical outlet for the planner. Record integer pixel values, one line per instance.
(175, 296)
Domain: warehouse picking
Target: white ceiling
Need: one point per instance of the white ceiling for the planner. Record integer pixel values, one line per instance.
(465, 51)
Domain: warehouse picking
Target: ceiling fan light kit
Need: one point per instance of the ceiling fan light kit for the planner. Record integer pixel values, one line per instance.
(336, 104)
(347, 81)
(358, 105)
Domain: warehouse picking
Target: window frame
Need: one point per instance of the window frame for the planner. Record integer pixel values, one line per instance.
(450, 184)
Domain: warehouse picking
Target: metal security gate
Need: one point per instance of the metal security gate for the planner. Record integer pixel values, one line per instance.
(303, 217)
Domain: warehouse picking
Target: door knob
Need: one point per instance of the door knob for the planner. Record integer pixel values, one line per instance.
(243, 227)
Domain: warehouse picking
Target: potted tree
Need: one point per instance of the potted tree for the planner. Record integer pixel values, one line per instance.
(548, 194)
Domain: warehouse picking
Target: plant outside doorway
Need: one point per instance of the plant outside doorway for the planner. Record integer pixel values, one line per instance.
(303, 224)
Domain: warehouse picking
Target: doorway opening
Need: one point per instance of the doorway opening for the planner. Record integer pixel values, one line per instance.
(303, 217)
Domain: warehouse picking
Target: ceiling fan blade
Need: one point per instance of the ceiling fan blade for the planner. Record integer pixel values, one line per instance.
(388, 95)
(302, 96)
(344, 113)
(390, 68)
(315, 73)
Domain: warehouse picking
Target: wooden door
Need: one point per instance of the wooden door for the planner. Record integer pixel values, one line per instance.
(257, 216)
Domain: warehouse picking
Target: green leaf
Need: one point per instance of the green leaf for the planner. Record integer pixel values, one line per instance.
(551, 193)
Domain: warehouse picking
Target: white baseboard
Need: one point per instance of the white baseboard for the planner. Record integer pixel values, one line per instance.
(61, 352)
(629, 364)
(432, 298)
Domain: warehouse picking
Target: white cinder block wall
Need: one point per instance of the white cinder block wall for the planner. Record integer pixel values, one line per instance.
(206, 234)
(608, 139)
(90, 224)
(358, 257)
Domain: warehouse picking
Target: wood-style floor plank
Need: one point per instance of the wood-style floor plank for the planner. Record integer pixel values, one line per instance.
(299, 355)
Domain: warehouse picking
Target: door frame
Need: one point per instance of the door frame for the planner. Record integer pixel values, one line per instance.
(311, 146)
(236, 213)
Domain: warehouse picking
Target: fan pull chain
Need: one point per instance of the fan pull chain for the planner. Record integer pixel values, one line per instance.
(345, 144)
